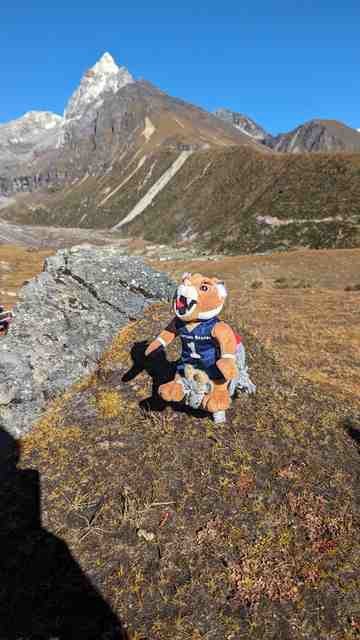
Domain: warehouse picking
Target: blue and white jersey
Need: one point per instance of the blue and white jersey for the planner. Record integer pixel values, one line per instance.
(199, 348)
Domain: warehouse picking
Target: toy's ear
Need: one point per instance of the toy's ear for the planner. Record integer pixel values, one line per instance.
(220, 285)
(186, 278)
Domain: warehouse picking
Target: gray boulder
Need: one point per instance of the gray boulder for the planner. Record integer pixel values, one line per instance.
(66, 318)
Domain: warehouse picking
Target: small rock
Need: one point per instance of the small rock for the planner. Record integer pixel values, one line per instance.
(146, 535)
(7, 393)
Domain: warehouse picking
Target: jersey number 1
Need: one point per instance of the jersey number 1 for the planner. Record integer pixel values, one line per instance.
(193, 350)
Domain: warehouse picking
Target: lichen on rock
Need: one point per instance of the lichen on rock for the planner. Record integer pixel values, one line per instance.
(66, 318)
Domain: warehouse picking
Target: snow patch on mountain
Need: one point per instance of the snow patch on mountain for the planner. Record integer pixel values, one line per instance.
(149, 129)
(103, 77)
(28, 125)
(23, 138)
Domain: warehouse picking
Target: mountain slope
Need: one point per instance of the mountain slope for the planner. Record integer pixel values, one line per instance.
(140, 115)
(108, 116)
(115, 145)
(140, 162)
(233, 199)
(137, 135)
(317, 135)
(238, 200)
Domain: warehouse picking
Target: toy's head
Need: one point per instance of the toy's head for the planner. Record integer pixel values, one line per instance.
(199, 297)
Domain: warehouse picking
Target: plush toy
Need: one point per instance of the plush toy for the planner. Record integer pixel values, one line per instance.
(212, 364)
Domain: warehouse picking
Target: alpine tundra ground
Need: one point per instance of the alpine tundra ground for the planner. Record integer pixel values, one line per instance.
(245, 531)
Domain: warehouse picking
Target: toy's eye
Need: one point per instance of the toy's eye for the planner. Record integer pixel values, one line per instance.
(204, 288)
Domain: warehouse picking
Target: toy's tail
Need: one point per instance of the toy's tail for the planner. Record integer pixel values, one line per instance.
(243, 382)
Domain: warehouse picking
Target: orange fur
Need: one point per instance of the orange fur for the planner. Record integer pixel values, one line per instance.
(198, 298)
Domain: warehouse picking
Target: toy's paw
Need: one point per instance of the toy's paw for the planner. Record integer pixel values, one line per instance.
(172, 392)
(228, 368)
(218, 400)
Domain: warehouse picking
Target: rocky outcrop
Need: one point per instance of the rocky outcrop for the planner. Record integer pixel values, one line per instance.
(66, 318)
(28, 183)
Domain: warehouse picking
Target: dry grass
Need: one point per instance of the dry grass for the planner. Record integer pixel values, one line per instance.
(217, 196)
(246, 530)
(17, 265)
(313, 330)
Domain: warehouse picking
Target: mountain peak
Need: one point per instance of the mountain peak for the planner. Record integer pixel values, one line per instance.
(41, 119)
(47, 119)
(242, 122)
(106, 63)
(103, 77)
(25, 137)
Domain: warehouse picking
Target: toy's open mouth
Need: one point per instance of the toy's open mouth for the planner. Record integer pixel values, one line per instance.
(184, 305)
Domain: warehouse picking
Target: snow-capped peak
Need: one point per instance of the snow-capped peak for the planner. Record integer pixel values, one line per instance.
(106, 64)
(42, 119)
(23, 138)
(34, 120)
(104, 76)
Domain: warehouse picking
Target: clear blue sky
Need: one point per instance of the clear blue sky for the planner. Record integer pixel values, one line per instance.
(279, 61)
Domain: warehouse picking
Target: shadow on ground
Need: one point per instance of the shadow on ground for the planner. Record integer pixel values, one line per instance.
(352, 426)
(160, 370)
(43, 591)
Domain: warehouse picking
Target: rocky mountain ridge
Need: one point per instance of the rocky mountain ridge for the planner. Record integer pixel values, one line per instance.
(36, 140)
(43, 148)
(107, 107)
(317, 136)
(23, 139)
(243, 123)
(106, 122)
(128, 156)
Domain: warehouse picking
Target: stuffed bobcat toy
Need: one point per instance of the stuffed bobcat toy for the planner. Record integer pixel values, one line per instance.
(212, 364)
